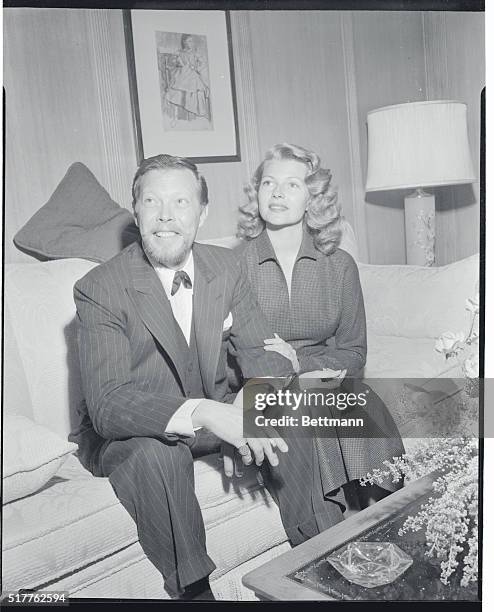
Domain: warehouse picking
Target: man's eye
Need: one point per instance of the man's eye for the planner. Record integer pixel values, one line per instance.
(182, 201)
(148, 200)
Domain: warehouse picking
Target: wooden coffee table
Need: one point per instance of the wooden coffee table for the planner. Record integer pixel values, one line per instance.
(275, 580)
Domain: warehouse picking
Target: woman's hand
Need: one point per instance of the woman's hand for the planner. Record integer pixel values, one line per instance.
(278, 345)
(324, 379)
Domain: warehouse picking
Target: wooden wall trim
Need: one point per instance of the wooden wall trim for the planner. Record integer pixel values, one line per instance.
(244, 84)
(437, 79)
(426, 60)
(358, 192)
(115, 156)
(454, 70)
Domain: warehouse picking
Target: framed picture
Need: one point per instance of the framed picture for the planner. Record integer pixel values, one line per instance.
(182, 84)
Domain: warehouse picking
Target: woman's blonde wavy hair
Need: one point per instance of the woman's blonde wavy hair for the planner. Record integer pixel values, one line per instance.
(322, 217)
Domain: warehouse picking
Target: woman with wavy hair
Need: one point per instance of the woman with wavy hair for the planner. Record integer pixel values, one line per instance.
(310, 293)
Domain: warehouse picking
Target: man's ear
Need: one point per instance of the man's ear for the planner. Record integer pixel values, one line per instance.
(203, 215)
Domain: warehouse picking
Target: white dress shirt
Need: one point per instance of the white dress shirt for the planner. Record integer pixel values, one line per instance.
(181, 304)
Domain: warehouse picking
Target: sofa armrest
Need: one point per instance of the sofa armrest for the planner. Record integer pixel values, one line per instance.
(416, 301)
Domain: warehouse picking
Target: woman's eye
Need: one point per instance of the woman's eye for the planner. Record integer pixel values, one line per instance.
(182, 201)
(148, 200)
(266, 182)
(293, 185)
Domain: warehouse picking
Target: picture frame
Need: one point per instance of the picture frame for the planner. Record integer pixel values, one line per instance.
(182, 85)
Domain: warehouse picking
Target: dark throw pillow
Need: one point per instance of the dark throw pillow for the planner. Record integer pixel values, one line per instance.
(79, 220)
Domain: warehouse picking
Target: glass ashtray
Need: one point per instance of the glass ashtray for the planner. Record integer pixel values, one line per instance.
(370, 564)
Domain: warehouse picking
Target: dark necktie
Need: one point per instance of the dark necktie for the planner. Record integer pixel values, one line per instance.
(180, 278)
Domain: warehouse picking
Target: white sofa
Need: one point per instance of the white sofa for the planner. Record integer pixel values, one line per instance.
(73, 534)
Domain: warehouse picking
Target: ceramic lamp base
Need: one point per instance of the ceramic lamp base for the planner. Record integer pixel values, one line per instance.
(420, 228)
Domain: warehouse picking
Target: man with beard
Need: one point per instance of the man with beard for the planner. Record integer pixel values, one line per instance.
(154, 326)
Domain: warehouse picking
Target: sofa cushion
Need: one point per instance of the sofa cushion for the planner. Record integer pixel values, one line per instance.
(397, 357)
(32, 454)
(76, 520)
(79, 220)
(127, 574)
(42, 319)
(16, 398)
(418, 302)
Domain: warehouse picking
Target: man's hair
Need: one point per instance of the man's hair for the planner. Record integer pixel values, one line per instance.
(168, 162)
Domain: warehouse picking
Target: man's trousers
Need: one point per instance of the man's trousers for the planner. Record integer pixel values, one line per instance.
(154, 480)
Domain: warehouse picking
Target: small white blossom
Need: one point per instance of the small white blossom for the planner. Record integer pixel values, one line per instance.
(450, 343)
(464, 347)
(472, 304)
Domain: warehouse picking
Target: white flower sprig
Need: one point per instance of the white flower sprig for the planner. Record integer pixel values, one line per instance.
(450, 519)
(456, 344)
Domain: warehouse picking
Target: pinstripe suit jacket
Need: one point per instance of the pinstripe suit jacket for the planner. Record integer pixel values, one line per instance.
(133, 357)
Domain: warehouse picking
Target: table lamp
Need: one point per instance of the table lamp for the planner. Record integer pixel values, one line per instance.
(418, 145)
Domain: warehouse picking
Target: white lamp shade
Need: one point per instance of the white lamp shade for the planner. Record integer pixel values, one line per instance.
(419, 144)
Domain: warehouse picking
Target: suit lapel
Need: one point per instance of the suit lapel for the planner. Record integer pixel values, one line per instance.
(209, 306)
(153, 306)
